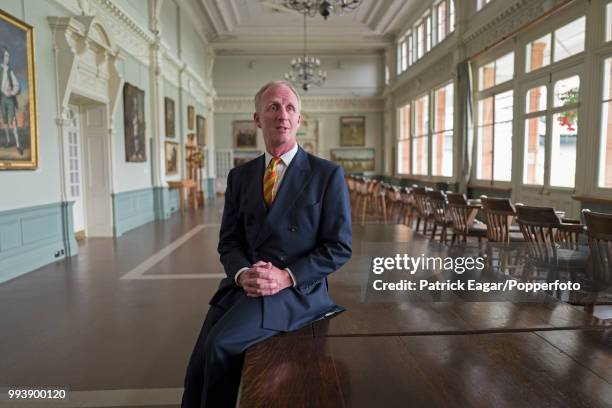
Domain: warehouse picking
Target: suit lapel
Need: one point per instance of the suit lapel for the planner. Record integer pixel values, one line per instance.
(255, 189)
(295, 179)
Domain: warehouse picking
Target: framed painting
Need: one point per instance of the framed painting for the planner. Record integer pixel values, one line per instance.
(201, 130)
(172, 158)
(309, 145)
(134, 123)
(244, 156)
(352, 131)
(190, 117)
(169, 117)
(354, 160)
(245, 134)
(18, 113)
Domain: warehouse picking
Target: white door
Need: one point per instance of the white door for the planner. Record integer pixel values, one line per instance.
(72, 168)
(550, 122)
(97, 170)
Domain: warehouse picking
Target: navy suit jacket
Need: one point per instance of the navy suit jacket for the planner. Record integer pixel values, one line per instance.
(307, 229)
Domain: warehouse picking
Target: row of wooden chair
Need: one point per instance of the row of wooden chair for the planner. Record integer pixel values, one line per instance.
(534, 242)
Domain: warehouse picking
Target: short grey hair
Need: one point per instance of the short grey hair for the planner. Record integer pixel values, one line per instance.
(270, 85)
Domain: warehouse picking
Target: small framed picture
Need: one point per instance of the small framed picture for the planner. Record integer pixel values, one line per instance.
(245, 134)
(172, 158)
(201, 130)
(352, 131)
(169, 116)
(190, 117)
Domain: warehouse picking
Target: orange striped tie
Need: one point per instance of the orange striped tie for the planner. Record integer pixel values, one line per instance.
(269, 181)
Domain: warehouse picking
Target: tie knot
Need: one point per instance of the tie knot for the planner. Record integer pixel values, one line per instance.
(275, 161)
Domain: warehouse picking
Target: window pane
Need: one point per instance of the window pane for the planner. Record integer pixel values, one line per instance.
(538, 53)
(535, 133)
(563, 150)
(536, 99)
(485, 111)
(443, 108)
(419, 155)
(404, 55)
(609, 22)
(441, 15)
(484, 170)
(399, 58)
(502, 151)
(567, 91)
(420, 40)
(421, 130)
(442, 154)
(503, 107)
(569, 39)
(504, 68)
(410, 49)
(607, 94)
(427, 33)
(486, 76)
(451, 17)
(605, 166)
(403, 156)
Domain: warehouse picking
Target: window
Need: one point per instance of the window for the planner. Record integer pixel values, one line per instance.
(496, 72)
(441, 21)
(427, 34)
(410, 49)
(420, 33)
(569, 39)
(386, 75)
(564, 132)
(535, 134)
(451, 17)
(481, 3)
(537, 54)
(442, 137)
(494, 145)
(605, 160)
(403, 145)
(421, 135)
(609, 22)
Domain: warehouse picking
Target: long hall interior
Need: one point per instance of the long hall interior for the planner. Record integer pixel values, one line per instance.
(472, 133)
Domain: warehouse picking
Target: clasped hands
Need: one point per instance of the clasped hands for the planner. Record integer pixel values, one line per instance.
(264, 279)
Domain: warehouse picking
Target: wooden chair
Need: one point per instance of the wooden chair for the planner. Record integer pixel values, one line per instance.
(456, 198)
(440, 217)
(423, 209)
(549, 249)
(408, 206)
(501, 233)
(464, 222)
(599, 234)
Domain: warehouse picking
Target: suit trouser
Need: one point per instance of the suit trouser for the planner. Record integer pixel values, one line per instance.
(213, 373)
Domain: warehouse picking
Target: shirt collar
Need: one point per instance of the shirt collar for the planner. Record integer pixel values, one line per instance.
(286, 158)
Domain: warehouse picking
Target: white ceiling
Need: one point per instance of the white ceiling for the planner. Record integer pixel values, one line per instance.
(250, 27)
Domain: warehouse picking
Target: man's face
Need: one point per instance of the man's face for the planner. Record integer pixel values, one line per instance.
(5, 57)
(280, 117)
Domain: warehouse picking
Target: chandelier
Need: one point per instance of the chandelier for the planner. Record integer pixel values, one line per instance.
(305, 71)
(325, 8)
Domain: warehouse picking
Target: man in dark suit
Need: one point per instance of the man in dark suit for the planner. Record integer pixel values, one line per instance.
(286, 226)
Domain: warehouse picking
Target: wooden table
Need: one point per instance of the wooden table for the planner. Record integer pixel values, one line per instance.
(397, 349)
(185, 185)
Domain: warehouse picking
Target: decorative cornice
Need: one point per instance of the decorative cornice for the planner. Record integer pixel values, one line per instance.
(312, 104)
(514, 16)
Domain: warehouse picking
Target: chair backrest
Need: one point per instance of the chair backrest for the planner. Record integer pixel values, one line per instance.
(456, 198)
(499, 214)
(599, 234)
(462, 216)
(538, 227)
(421, 202)
(437, 204)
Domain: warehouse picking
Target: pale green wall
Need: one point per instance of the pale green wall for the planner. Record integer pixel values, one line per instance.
(35, 187)
(168, 21)
(191, 45)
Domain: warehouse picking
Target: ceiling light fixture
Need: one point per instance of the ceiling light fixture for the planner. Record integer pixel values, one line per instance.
(310, 8)
(305, 71)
